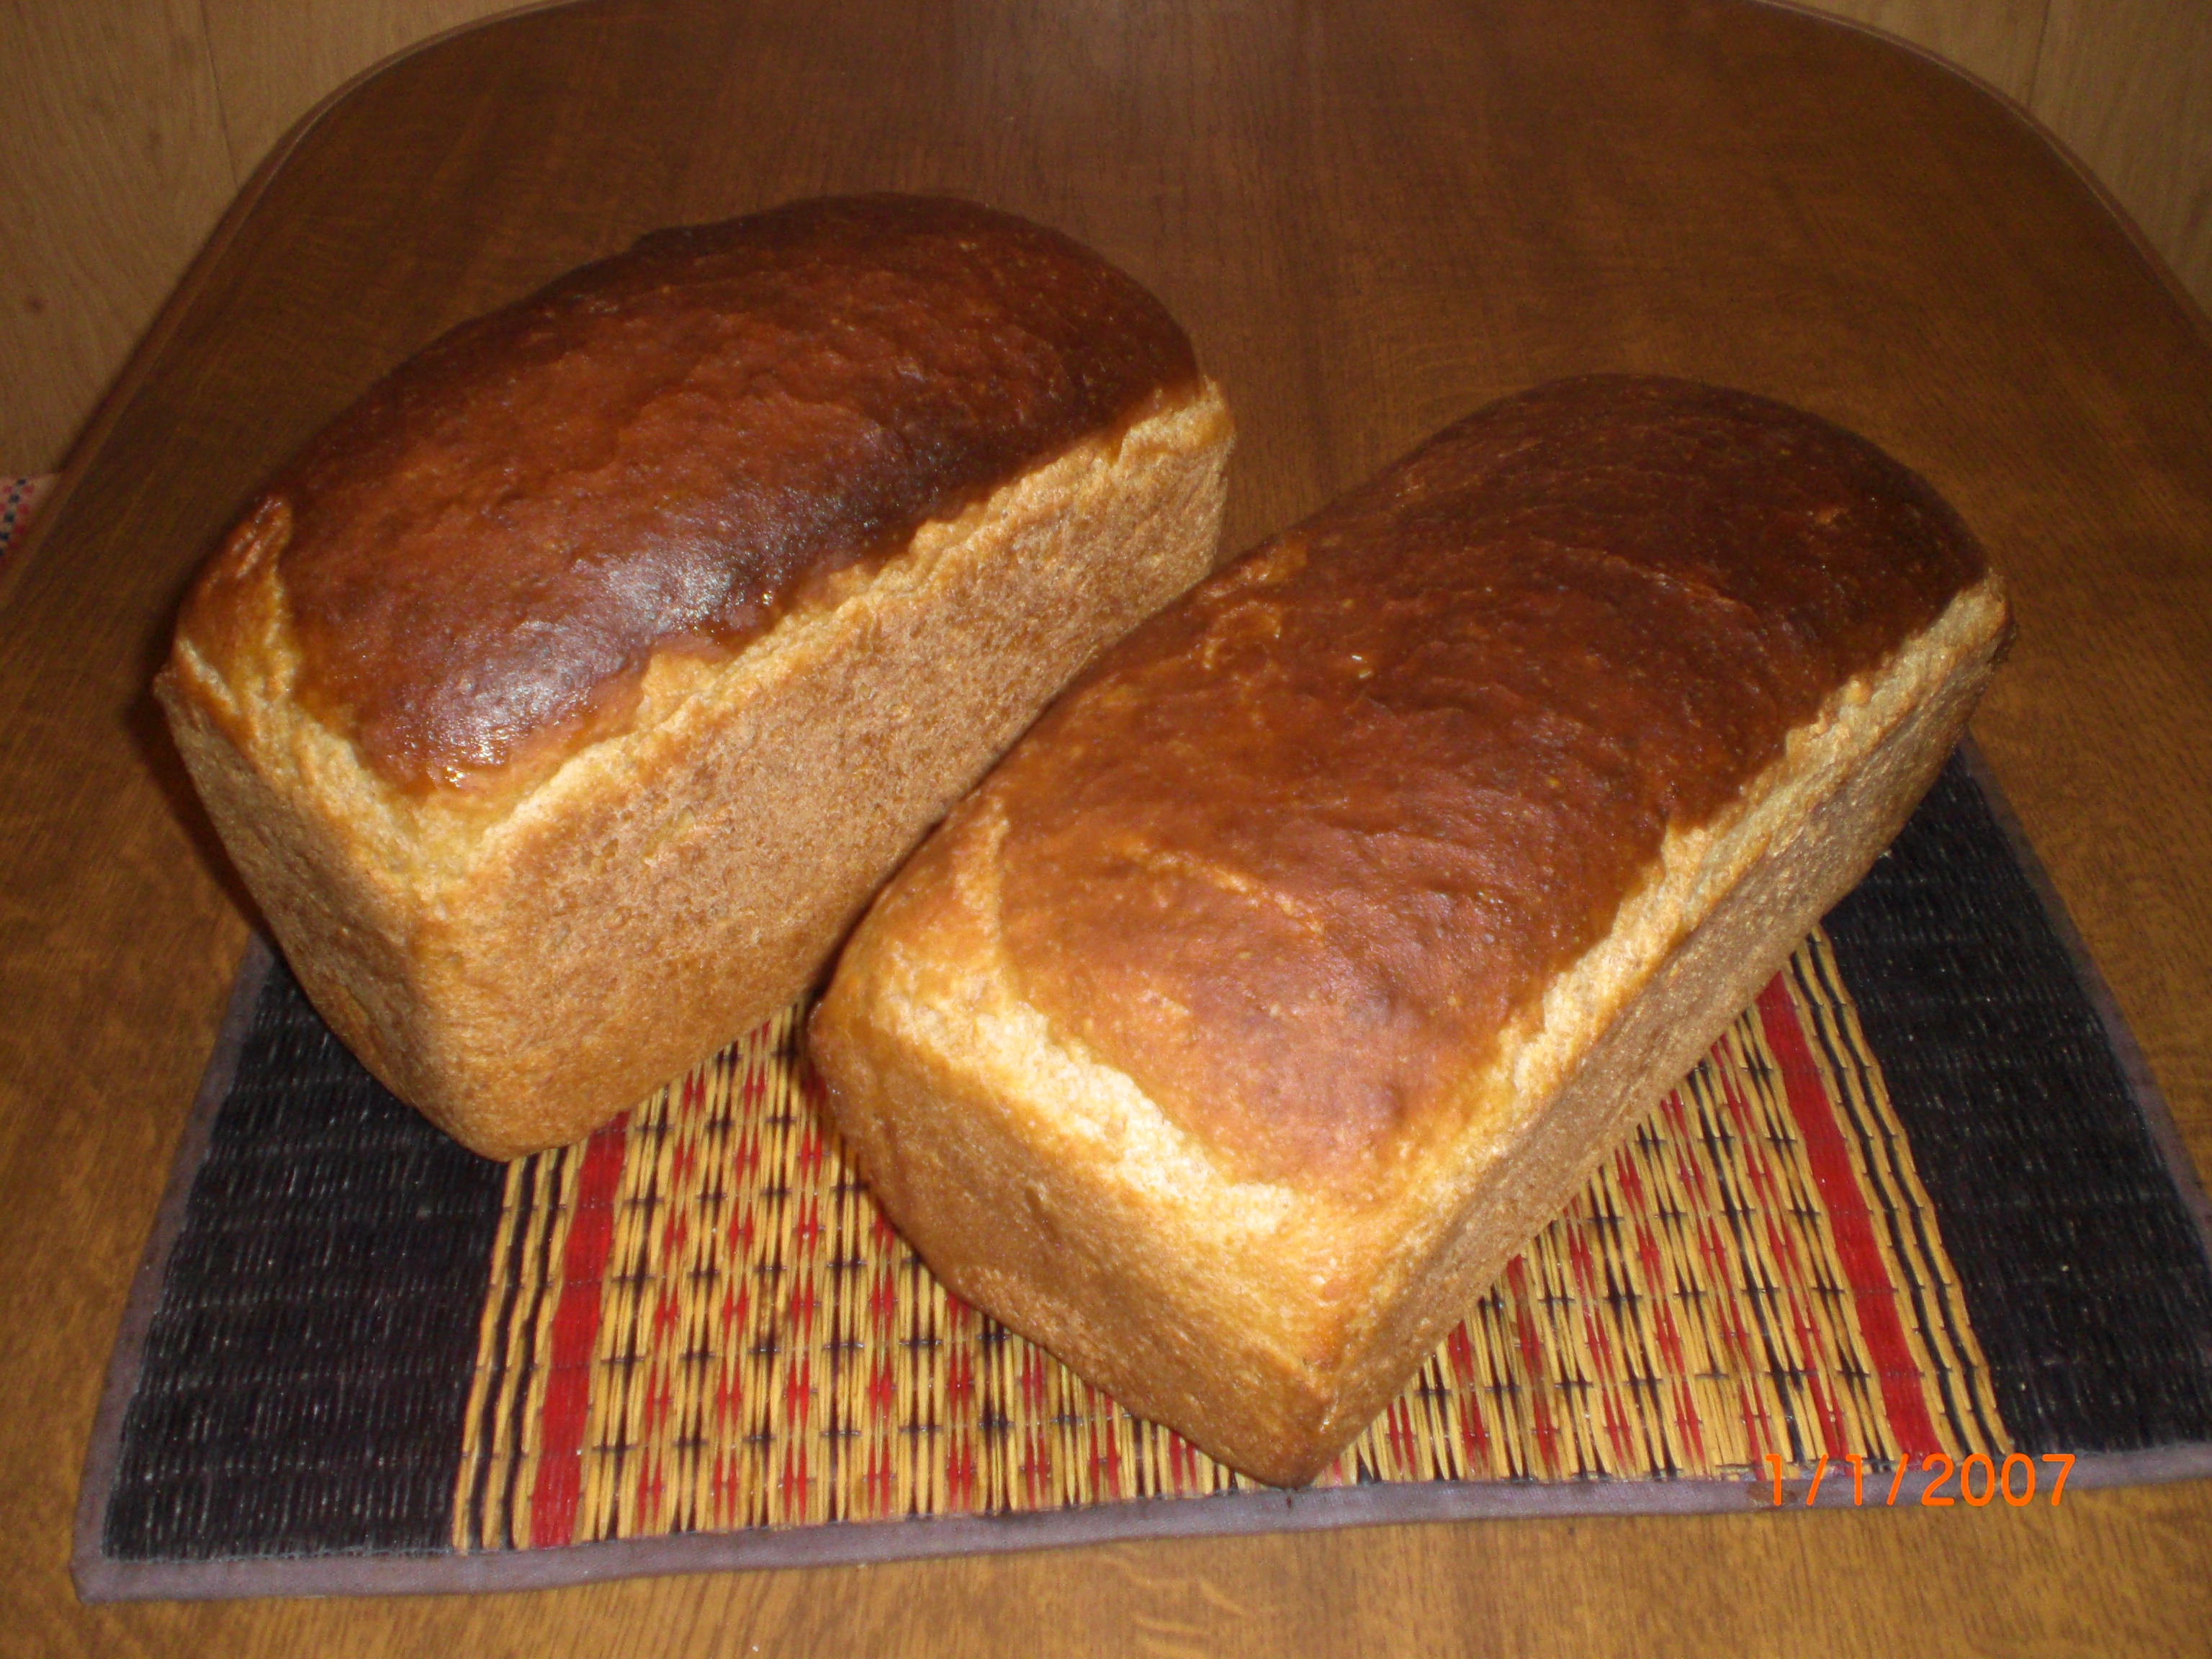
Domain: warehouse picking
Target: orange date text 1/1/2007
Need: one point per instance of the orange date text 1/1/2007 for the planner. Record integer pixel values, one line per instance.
(1980, 1479)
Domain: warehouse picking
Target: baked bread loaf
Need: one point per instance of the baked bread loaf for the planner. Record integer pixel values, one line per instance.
(1297, 966)
(563, 703)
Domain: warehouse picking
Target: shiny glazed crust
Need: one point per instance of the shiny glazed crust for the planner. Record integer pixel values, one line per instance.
(1269, 1319)
(522, 959)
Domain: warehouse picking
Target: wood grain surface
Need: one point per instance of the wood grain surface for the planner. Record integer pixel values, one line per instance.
(2000, 41)
(113, 166)
(136, 120)
(2110, 71)
(1369, 225)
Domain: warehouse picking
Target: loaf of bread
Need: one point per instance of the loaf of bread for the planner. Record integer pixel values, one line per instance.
(563, 702)
(1303, 958)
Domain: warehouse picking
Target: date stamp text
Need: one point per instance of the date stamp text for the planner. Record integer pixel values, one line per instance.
(1980, 1480)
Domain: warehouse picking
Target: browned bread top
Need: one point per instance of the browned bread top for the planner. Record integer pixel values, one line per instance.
(1300, 852)
(664, 451)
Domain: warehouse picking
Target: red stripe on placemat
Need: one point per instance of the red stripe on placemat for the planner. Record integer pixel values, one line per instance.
(1855, 1247)
(554, 1495)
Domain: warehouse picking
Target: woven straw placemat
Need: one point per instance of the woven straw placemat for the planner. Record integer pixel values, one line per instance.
(1917, 1226)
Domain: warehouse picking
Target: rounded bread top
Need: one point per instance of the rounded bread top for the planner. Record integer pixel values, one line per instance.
(1296, 852)
(661, 450)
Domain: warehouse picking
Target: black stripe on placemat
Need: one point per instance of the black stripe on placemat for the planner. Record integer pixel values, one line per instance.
(2083, 1271)
(325, 1415)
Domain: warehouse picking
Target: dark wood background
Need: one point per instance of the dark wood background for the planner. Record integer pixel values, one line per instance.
(106, 213)
(1371, 219)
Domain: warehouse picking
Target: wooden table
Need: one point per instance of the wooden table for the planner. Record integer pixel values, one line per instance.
(1372, 218)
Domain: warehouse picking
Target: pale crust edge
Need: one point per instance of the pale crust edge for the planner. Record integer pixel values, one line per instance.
(522, 969)
(1269, 1321)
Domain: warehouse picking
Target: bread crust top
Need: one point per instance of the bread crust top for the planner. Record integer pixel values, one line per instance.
(661, 454)
(1298, 853)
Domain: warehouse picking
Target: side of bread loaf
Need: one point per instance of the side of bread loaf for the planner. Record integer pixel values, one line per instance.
(524, 948)
(1261, 1263)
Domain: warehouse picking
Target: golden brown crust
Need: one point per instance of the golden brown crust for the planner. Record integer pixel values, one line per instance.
(525, 955)
(1216, 1271)
(520, 978)
(1296, 844)
(664, 451)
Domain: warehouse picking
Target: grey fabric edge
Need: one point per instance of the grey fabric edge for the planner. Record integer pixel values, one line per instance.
(1237, 1514)
(88, 1565)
